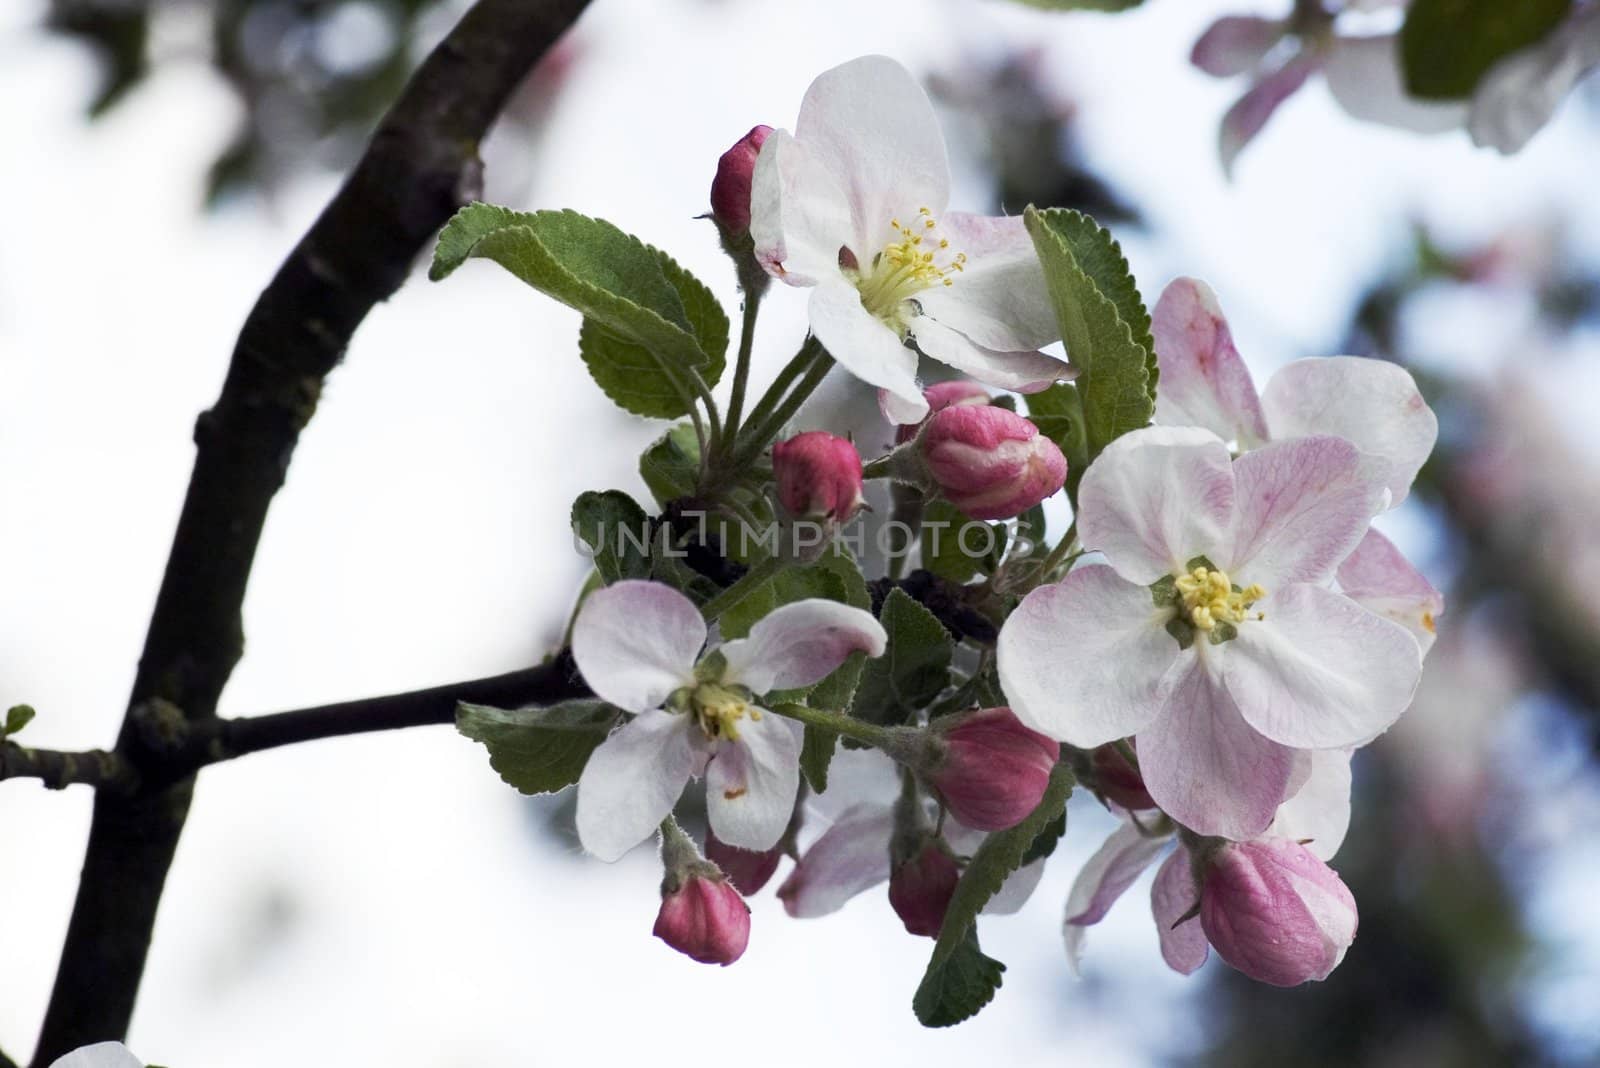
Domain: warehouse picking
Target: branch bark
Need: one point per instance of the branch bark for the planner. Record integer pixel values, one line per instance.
(57, 770)
(421, 165)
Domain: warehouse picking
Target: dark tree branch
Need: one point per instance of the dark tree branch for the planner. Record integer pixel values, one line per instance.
(421, 166)
(58, 770)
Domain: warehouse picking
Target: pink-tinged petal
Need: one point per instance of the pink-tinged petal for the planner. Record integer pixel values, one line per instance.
(1372, 403)
(1173, 895)
(999, 300)
(873, 128)
(800, 644)
(1026, 372)
(1521, 93)
(866, 346)
(1276, 912)
(1084, 660)
(1319, 671)
(632, 781)
(1250, 112)
(1204, 382)
(1364, 76)
(1379, 578)
(752, 781)
(1204, 765)
(1157, 498)
(1235, 44)
(1302, 506)
(636, 642)
(851, 856)
(99, 1055)
(799, 215)
(1318, 815)
(1106, 876)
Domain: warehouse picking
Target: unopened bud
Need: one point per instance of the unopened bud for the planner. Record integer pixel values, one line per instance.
(1276, 912)
(705, 919)
(1118, 781)
(730, 190)
(920, 887)
(818, 476)
(989, 462)
(748, 870)
(994, 770)
(940, 396)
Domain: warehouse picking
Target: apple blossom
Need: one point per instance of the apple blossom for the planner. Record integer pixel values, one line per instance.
(1212, 637)
(989, 462)
(993, 770)
(852, 206)
(99, 1055)
(818, 476)
(638, 646)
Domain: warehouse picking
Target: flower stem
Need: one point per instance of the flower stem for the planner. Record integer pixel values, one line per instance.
(741, 367)
(810, 365)
(1064, 548)
(901, 743)
(746, 584)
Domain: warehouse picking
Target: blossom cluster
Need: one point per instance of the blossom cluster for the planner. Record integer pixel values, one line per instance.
(1218, 631)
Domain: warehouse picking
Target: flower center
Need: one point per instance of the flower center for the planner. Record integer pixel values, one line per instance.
(719, 708)
(920, 260)
(1209, 597)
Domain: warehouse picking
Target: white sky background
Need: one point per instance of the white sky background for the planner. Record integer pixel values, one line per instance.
(376, 900)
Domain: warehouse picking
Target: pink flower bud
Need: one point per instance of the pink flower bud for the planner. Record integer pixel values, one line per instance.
(746, 869)
(1235, 44)
(995, 770)
(1118, 781)
(730, 190)
(819, 476)
(704, 919)
(1276, 912)
(920, 889)
(991, 463)
(939, 397)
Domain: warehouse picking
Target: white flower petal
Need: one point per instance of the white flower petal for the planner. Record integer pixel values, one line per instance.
(999, 300)
(799, 216)
(636, 642)
(1084, 660)
(873, 128)
(1364, 75)
(1025, 372)
(1320, 671)
(1319, 812)
(1106, 875)
(99, 1055)
(851, 856)
(1236, 44)
(1301, 507)
(1379, 578)
(1372, 403)
(752, 781)
(1204, 765)
(866, 346)
(800, 644)
(632, 781)
(1157, 498)
(1172, 895)
(1204, 382)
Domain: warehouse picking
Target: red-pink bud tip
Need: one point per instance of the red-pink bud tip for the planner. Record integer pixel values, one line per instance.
(1118, 781)
(995, 770)
(989, 462)
(706, 920)
(730, 190)
(939, 396)
(818, 476)
(920, 889)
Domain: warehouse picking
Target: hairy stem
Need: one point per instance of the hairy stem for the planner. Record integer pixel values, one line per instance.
(741, 366)
(743, 587)
(420, 167)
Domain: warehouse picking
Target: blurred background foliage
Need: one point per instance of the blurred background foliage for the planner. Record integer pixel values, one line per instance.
(1465, 811)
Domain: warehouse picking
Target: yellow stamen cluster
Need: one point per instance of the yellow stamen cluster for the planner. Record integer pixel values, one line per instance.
(1210, 598)
(720, 708)
(920, 260)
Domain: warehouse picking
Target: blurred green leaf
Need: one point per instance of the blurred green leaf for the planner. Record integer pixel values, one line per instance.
(1447, 46)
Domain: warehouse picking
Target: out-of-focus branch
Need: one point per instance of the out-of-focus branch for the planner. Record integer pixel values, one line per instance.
(57, 769)
(421, 165)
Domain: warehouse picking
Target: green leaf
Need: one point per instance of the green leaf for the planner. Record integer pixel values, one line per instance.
(960, 548)
(538, 750)
(1104, 324)
(958, 984)
(816, 754)
(616, 530)
(647, 321)
(671, 467)
(1045, 844)
(1058, 413)
(912, 670)
(1447, 46)
(17, 717)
